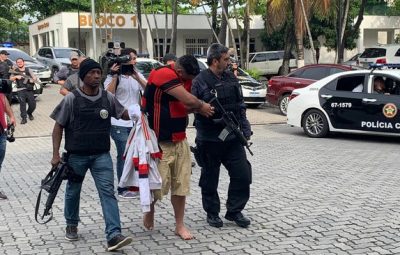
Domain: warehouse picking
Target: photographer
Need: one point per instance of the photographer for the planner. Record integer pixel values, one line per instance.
(5, 108)
(126, 83)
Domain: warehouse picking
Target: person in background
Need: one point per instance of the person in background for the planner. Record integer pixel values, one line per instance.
(5, 66)
(61, 76)
(73, 81)
(379, 86)
(5, 109)
(25, 89)
(127, 88)
(85, 114)
(169, 58)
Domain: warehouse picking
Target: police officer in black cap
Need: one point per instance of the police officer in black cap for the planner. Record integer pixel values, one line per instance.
(219, 82)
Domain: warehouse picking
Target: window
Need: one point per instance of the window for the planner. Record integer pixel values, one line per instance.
(315, 73)
(373, 53)
(196, 46)
(14, 54)
(272, 56)
(397, 53)
(159, 47)
(350, 83)
(261, 57)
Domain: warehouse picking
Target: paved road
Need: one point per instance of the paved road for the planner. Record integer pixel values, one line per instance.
(338, 195)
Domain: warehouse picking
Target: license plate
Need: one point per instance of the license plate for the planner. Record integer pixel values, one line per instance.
(366, 64)
(254, 93)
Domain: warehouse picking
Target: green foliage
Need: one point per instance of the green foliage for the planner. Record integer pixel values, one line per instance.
(9, 20)
(256, 74)
(274, 40)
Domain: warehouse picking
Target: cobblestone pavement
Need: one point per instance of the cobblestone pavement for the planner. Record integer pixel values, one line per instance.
(338, 195)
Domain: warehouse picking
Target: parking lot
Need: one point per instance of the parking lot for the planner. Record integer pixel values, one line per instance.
(338, 195)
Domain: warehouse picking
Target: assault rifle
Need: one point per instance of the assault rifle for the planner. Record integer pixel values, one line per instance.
(51, 184)
(37, 83)
(231, 125)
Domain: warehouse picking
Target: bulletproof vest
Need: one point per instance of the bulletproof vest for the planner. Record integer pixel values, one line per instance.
(20, 83)
(89, 132)
(228, 92)
(4, 69)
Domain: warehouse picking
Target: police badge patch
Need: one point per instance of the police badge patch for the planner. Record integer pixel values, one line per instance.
(104, 114)
(389, 110)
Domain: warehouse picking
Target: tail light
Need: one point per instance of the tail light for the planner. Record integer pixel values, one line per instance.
(381, 61)
(293, 95)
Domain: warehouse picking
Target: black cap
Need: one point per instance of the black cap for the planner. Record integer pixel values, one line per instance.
(4, 52)
(168, 57)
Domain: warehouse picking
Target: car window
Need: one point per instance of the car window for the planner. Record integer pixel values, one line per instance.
(261, 57)
(145, 67)
(202, 65)
(334, 70)
(397, 53)
(272, 56)
(47, 52)
(251, 55)
(41, 52)
(14, 54)
(315, 73)
(354, 58)
(373, 53)
(65, 53)
(297, 73)
(392, 85)
(354, 83)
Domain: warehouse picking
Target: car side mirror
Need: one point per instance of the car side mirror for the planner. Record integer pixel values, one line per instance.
(48, 56)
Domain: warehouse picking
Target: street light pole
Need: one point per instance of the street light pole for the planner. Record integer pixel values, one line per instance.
(94, 32)
(79, 27)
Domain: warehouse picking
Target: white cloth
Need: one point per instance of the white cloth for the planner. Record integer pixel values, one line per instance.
(141, 157)
(359, 88)
(127, 93)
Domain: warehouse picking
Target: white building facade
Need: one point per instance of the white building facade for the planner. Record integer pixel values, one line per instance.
(193, 37)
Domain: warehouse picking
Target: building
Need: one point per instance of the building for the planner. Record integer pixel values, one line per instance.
(194, 33)
(193, 37)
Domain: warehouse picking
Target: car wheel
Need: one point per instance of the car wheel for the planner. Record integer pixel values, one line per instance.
(315, 124)
(283, 104)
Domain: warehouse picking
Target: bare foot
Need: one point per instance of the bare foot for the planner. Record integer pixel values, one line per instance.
(184, 233)
(148, 220)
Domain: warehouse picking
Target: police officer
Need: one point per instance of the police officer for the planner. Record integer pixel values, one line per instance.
(219, 82)
(5, 66)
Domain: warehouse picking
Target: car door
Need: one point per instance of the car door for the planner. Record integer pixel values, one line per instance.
(381, 110)
(346, 108)
(273, 63)
(259, 62)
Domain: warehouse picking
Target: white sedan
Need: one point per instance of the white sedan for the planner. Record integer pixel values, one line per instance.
(332, 104)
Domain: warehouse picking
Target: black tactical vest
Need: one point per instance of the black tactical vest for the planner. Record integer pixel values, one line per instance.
(228, 92)
(89, 133)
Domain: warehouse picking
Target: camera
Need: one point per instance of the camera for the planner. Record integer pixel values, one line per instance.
(10, 133)
(5, 86)
(113, 59)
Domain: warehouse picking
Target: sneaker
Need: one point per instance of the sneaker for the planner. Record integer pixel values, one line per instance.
(3, 196)
(31, 117)
(23, 121)
(129, 194)
(118, 241)
(71, 233)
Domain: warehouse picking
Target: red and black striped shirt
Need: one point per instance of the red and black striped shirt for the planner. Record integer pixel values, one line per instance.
(167, 115)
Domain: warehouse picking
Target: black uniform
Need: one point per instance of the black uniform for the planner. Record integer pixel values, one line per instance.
(5, 67)
(25, 94)
(214, 151)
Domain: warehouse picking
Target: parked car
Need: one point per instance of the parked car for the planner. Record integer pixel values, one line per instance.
(253, 91)
(55, 57)
(380, 54)
(280, 87)
(353, 61)
(145, 65)
(330, 105)
(268, 62)
(42, 72)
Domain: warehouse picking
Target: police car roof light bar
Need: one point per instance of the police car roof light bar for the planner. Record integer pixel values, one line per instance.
(386, 66)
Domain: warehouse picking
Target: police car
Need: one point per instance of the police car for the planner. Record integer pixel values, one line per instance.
(332, 104)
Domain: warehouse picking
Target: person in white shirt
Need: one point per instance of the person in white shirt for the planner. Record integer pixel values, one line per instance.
(126, 83)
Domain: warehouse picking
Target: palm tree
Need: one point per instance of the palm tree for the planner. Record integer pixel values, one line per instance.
(174, 26)
(278, 11)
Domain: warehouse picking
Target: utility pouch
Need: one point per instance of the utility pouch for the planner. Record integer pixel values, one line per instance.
(197, 156)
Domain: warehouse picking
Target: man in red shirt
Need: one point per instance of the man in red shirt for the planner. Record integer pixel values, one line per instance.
(167, 103)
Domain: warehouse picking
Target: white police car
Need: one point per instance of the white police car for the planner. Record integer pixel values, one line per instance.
(332, 104)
